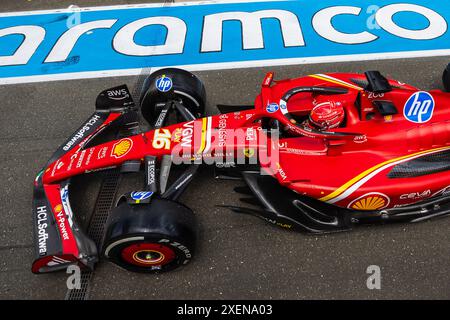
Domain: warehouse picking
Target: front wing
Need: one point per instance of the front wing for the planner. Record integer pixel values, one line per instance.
(59, 240)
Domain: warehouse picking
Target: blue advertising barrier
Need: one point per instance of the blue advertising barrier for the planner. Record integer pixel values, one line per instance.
(121, 40)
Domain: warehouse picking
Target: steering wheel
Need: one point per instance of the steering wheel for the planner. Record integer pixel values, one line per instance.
(303, 130)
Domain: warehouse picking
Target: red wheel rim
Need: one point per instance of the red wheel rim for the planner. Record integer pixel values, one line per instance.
(148, 254)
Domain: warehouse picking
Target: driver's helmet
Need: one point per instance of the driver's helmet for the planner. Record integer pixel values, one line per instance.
(326, 115)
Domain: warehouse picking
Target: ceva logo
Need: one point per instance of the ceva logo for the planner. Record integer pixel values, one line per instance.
(121, 40)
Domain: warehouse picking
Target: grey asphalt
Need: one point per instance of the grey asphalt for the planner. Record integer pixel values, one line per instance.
(239, 257)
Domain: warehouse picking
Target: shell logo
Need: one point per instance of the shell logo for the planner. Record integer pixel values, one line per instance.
(58, 208)
(121, 148)
(370, 202)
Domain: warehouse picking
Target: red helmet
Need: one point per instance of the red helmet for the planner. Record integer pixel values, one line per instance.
(326, 115)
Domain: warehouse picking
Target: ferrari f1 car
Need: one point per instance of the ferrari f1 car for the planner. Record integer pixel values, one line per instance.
(384, 159)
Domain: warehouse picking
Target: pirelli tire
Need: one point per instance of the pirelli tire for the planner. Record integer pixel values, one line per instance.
(171, 84)
(446, 78)
(150, 238)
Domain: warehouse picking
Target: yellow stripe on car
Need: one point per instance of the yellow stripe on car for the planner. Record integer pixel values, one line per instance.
(386, 164)
(336, 81)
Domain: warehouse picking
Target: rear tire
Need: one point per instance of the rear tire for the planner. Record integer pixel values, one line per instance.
(446, 78)
(151, 238)
(171, 84)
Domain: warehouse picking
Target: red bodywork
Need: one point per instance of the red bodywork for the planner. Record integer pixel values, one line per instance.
(350, 172)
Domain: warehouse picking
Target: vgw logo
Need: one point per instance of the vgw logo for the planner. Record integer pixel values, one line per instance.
(164, 84)
(419, 107)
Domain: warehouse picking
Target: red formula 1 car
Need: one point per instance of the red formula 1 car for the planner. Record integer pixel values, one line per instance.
(320, 154)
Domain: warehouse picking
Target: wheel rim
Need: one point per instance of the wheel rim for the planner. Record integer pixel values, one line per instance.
(148, 254)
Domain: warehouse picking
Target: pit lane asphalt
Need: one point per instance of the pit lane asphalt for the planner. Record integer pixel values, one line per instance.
(239, 257)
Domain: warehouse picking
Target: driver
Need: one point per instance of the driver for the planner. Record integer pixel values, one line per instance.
(325, 115)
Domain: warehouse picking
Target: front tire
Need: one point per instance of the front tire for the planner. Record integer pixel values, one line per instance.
(171, 84)
(151, 238)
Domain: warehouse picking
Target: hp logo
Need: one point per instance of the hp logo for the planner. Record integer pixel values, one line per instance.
(272, 107)
(164, 83)
(419, 107)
